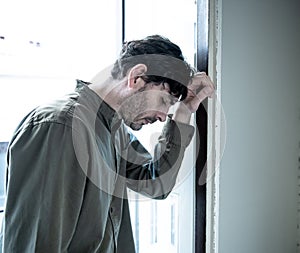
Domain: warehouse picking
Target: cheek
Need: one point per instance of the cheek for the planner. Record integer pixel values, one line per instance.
(163, 104)
(148, 103)
(156, 102)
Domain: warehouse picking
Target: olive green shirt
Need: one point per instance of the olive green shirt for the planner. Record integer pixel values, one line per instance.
(69, 164)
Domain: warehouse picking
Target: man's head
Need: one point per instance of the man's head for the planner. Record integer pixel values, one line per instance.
(156, 69)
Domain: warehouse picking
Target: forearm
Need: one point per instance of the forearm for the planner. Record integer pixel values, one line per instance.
(157, 178)
(182, 114)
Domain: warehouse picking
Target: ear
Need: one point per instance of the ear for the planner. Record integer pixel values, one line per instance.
(134, 81)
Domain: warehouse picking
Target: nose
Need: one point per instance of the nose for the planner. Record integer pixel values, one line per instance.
(161, 116)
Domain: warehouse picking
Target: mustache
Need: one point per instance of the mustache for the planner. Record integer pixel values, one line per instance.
(148, 119)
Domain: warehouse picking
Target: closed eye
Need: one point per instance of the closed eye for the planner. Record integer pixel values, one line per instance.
(165, 99)
(171, 98)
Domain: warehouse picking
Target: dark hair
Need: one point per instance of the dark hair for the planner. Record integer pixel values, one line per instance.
(164, 61)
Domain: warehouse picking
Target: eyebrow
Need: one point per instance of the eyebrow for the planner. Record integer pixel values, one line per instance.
(177, 94)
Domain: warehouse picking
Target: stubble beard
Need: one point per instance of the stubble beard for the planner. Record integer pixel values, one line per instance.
(132, 108)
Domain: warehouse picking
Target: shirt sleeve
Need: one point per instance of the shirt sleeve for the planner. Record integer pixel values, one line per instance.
(45, 185)
(156, 176)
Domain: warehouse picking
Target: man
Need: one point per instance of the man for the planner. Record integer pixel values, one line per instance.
(70, 162)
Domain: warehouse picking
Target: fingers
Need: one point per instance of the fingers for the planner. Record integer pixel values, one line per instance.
(199, 89)
(201, 83)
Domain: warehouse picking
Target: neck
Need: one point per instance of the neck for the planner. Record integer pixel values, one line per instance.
(109, 90)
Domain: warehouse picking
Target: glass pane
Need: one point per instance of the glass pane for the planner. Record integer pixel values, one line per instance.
(164, 225)
(41, 57)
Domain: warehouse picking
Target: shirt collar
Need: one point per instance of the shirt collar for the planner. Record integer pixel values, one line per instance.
(96, 103)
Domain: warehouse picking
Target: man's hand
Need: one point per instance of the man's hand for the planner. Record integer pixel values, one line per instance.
(199, 89)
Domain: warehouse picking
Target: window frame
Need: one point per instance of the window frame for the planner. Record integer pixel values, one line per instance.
(202, 51)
